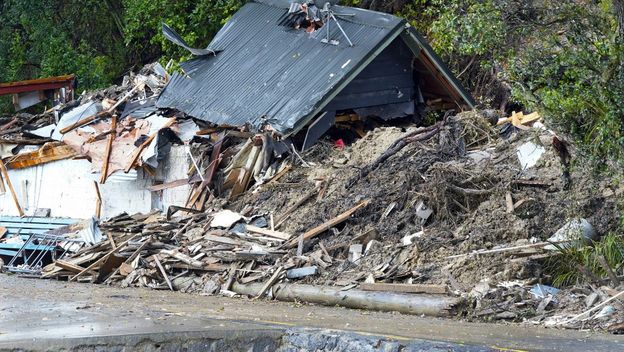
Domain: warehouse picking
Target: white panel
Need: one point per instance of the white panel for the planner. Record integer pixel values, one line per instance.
(66, 187)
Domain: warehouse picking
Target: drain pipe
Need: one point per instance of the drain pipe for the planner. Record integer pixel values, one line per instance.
(419, 304)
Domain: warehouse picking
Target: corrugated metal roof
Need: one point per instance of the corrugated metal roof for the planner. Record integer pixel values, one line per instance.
(271, 74)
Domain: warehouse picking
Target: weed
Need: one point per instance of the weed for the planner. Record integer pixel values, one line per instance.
(564, 267)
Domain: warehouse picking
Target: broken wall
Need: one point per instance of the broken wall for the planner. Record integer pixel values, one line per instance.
(67, 188)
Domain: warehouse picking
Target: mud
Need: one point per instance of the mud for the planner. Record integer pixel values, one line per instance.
(467, 155)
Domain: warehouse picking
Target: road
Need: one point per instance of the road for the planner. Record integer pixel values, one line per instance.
(51, 315)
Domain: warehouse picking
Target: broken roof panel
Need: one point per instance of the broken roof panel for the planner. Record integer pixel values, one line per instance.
(259, 72)
(271, 74)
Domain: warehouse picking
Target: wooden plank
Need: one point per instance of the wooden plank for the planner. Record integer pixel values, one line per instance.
(271, 282)
(509, 202)
(74, 261)
(223, 240)
(132, 257)
(102, 259)
(49, 152)
(276, 234)
(87, 120)
(328, 224)
(404, 288)
(168, 185)
(2, 188)
(101, 114)
(68, 266)
(98, 202)
(215, 159)
(280, 174)
(5, 175)
(163, 272)
(137, 153)
(109, 149)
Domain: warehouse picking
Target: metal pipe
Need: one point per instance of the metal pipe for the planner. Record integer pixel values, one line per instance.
(431, 305)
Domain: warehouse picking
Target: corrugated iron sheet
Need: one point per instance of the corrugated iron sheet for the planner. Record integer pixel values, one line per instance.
(271, 74)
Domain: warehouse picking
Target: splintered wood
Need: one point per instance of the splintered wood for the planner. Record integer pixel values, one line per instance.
(149, 250)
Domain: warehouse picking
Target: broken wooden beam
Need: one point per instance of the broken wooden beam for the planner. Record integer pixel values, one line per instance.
(328, 224)
(109, 149)
(87, 120)
(615, 281)
(49, 152)
(163, 272)
(103, 258)
(5, 175)
(270, 282)
(98, 201)
(275, 234)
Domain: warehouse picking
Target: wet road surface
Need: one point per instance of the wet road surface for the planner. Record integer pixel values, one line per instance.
(38, 313)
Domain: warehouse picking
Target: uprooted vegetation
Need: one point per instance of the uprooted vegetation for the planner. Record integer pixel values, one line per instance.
(458, 207)
(468, 195)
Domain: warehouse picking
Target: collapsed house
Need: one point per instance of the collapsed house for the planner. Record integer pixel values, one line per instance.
(462, 211)
(262, 73)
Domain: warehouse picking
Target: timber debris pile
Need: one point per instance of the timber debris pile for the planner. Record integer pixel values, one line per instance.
(478, 215)
(462, 209)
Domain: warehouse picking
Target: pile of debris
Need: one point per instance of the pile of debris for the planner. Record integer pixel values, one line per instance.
(459, 209)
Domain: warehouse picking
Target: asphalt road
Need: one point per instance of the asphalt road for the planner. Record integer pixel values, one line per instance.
(50, 315)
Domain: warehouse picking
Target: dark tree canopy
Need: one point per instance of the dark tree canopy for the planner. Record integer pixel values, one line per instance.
(562, 57)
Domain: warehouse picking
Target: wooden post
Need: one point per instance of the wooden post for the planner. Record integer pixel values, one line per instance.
(98, 202)
(5, 175)
(109, 148)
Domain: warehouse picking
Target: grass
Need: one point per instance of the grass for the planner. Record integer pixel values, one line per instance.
(564, 267)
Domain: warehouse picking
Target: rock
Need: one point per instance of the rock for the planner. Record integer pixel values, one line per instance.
(355, 253)
(423, 212)
(480, 290)
(210, 288)
(529, 154)
(575, 231)
(605, 312)
(373, 246)
(409, 239)
(182, 283)
(225, 219)
(591, 299)
(506, 315)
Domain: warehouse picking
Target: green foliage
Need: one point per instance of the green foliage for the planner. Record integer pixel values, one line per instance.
(576, 77)
(99, 40)
(564, 267)
(564, 58)
(195, 21)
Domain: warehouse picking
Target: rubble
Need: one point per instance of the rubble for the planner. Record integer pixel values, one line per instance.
(460, 209)
(439, 226)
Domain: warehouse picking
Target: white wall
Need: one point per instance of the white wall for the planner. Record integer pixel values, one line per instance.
(67, 188)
